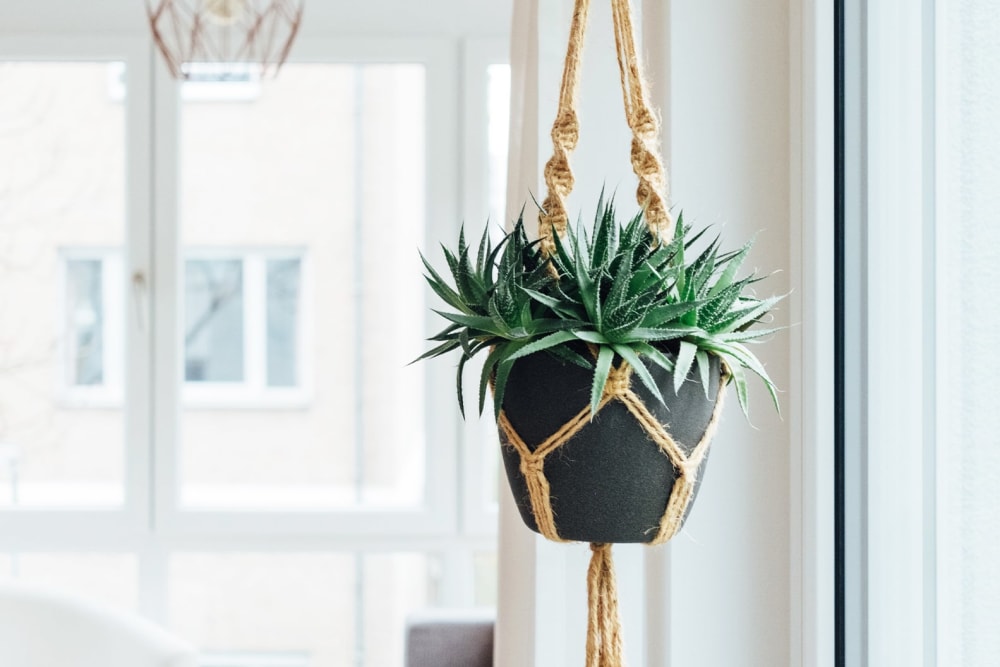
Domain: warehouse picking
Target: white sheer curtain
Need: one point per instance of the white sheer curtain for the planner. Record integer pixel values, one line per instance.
(515, 630)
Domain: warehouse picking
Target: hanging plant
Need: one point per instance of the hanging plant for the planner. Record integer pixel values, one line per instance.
(618, 293)
(616, 348)
(608, 350)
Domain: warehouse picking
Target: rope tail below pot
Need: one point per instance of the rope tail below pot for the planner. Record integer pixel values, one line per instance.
(604, 635)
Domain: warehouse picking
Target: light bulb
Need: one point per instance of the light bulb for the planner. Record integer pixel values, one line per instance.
(225, 12)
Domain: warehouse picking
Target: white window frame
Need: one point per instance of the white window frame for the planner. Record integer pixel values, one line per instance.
(439, 513)
(202, 89)
(811, 392)
(151, 525)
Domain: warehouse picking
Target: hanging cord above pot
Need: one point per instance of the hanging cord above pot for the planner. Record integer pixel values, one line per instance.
(647, 163)
(604, 641)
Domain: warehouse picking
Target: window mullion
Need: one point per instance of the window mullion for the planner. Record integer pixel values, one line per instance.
(165, 296)
(129, 297)
(255, 323)
(117, 289)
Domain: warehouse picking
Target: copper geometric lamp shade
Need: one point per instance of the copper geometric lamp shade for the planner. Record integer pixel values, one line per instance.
(255, 32)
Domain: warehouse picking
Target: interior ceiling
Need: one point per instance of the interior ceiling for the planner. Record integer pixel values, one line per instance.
(392, 17)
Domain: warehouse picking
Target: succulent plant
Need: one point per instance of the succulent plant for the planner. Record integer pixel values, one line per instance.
(617, 293)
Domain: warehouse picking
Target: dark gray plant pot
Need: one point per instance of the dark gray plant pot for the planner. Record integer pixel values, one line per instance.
(610, 482)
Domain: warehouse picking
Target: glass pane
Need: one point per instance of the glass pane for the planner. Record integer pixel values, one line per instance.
(315, 609)
(316, 181)
(109, 578)
(498, 122)
(388, 304)
(213, 324)
(283, 284)
(62, 218)
(968, 372)
(85, 321)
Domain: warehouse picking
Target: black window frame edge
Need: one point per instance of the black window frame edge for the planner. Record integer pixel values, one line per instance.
(839, 229)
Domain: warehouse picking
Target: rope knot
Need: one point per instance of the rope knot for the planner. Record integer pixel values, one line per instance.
(647, 164)
(566, 129)
(645, 124)
(619, 380)
(558, 176)
(532, 466)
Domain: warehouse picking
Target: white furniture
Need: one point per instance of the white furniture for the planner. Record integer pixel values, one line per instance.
(45, 628)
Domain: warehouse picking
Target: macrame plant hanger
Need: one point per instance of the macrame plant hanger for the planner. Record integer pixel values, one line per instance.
(604, 635)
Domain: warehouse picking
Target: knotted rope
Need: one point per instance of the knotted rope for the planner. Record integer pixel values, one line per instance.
(604, 630)
(646, 161)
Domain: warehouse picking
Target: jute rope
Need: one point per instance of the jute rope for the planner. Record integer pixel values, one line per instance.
(604, 643)
(604, 631)
(646, 161)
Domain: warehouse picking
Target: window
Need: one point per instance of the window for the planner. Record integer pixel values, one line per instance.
(921, 469)
(92, 321)
(206, 400)
(85, 321)
(242, 324)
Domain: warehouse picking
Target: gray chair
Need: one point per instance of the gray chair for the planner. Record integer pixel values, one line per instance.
(449, 638)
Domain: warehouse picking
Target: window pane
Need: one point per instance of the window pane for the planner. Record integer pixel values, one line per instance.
(283, 280)
(323, 610)
(62, 217)
(498, 121)
(213, 327)
(293, 179)
(85, 321)
(968, 373)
